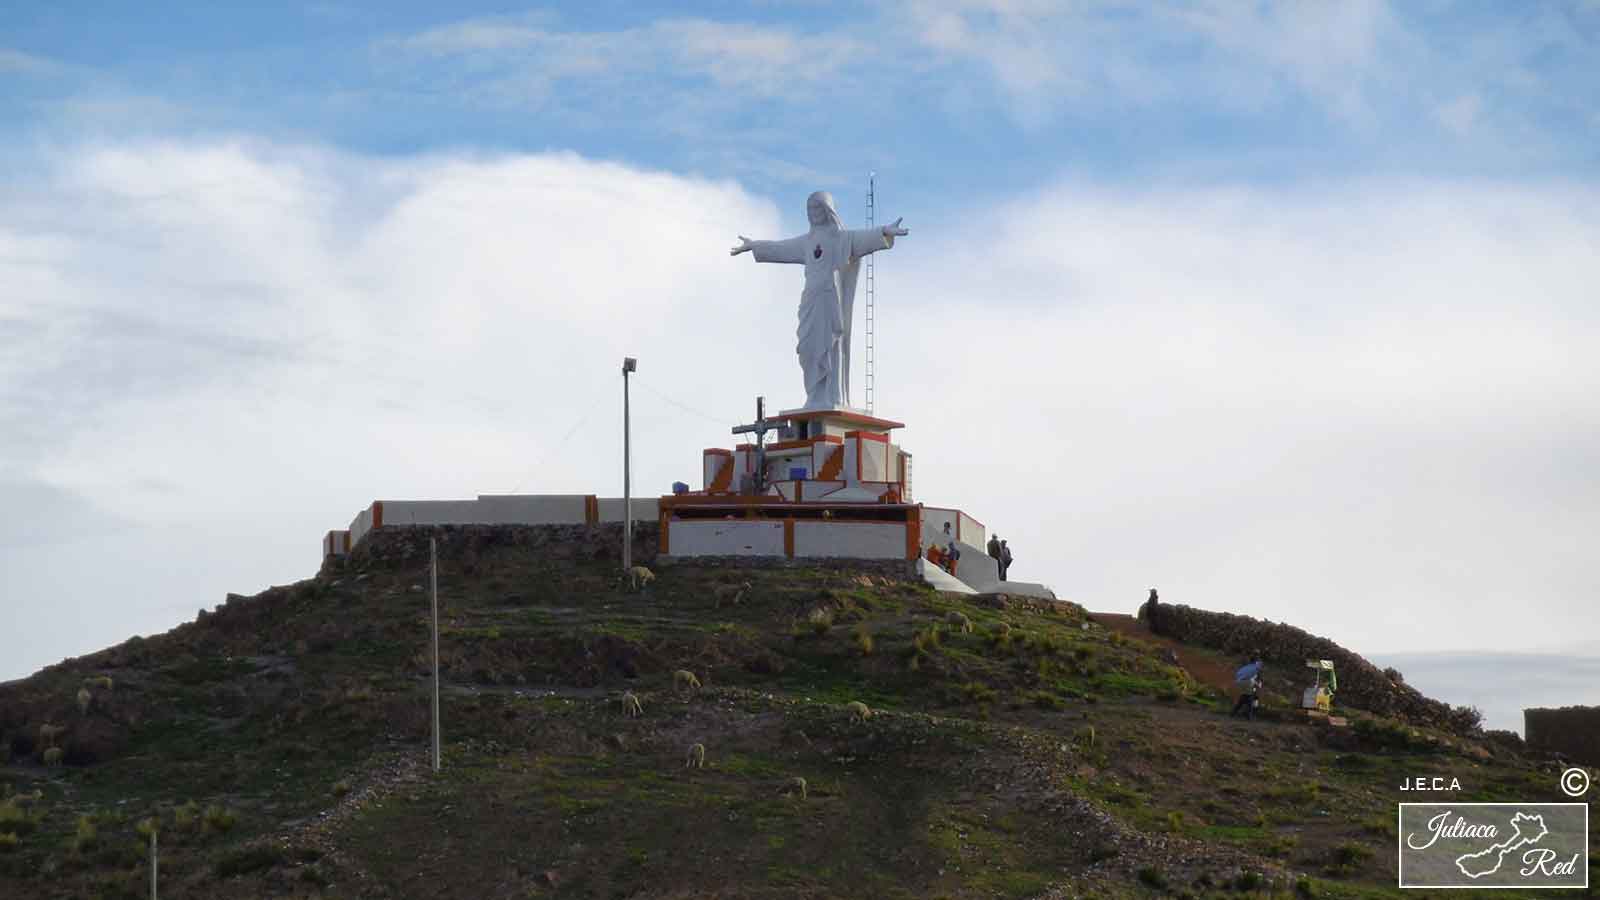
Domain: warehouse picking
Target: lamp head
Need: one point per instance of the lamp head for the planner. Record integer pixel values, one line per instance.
(629, 364)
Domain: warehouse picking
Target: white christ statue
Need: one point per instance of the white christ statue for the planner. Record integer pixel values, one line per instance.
(832, 256)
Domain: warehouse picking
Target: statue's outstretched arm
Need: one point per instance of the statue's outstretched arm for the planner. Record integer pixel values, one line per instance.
(792, 250)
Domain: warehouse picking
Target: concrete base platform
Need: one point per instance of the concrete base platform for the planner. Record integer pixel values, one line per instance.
(942, 580)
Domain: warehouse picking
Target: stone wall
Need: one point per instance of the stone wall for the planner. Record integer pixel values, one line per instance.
(1572, 731)
(408, 544)
(1362, 685)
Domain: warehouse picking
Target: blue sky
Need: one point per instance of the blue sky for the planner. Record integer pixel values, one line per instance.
(1283, 308)
(980, 98)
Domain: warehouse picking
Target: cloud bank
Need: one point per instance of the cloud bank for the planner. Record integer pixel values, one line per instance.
(1358, 407)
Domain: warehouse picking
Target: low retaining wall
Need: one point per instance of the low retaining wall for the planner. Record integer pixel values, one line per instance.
(408, 544)
(492, 509)
(1572, 731)
(1362, 685)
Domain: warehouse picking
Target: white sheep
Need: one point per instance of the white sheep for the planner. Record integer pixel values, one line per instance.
(959, 621)
(49, 733)
(103, 682)
(638, 576)
(697, 757)
(84, 699)
(631, 706)
(859, 712)
(52, 756)
(685, 680)
(795, 786)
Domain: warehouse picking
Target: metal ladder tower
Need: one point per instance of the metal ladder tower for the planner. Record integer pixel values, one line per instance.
(871, 290)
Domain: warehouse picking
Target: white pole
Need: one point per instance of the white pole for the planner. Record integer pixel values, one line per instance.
(153, 865)
(433, 554)
(628, 365)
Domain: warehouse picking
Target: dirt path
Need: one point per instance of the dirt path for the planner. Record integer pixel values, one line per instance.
(1204, 666)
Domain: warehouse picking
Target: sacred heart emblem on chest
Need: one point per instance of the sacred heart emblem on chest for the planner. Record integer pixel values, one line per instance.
(817, 253)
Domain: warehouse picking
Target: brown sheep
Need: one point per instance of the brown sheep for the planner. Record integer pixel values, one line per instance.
(859, 712)
(49, 733)
(731, 594)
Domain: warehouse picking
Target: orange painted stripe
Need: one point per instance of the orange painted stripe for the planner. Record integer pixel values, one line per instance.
(666, 529)
(724, 476)
(788, 538)
(869, 435)
(834, 465)
(591, 509)
(716, 451)
(377, 513)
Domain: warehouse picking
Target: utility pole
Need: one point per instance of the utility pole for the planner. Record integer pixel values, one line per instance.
(433, 556)
(153, 865)
(629, 364)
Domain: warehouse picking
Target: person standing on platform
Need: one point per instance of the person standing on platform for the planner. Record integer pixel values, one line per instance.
(1005, 560)
(994, 549)
(1152, 613)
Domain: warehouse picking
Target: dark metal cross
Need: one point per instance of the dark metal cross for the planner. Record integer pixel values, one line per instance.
(760, 428)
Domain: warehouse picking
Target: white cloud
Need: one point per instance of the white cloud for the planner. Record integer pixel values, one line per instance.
(1460, 114)
(751, 59)
(18, 62)
(1362, 408)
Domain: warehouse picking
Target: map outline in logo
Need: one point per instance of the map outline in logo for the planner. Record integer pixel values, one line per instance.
(1515, 823)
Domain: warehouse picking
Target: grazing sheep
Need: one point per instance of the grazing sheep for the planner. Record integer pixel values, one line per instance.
(731, 594)
(103, 682)
(697, 757)
(684, 679)
(630, 705)
(52, 756)
(959, 621)
(49, 733)
(84, 699)
(23, 801)
(1004, 630)
(859, 712)
(639, 576)
(794, 786)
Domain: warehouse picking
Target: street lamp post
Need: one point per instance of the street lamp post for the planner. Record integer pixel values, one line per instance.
(629, 364)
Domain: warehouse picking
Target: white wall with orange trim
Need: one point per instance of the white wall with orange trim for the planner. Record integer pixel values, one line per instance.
(855, 540)
(726, 537)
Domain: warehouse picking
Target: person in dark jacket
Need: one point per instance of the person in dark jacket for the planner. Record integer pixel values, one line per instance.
(1152, 613)
(994, 549)
(1005, 560)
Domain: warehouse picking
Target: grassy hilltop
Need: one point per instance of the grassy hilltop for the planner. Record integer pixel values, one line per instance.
(1016, 748)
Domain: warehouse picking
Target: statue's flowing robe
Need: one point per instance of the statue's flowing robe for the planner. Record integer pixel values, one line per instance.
(832, 257)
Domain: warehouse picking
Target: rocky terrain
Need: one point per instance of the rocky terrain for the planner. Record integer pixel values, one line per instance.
(278, 744)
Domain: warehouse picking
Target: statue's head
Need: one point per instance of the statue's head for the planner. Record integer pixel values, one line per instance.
(819, 209)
